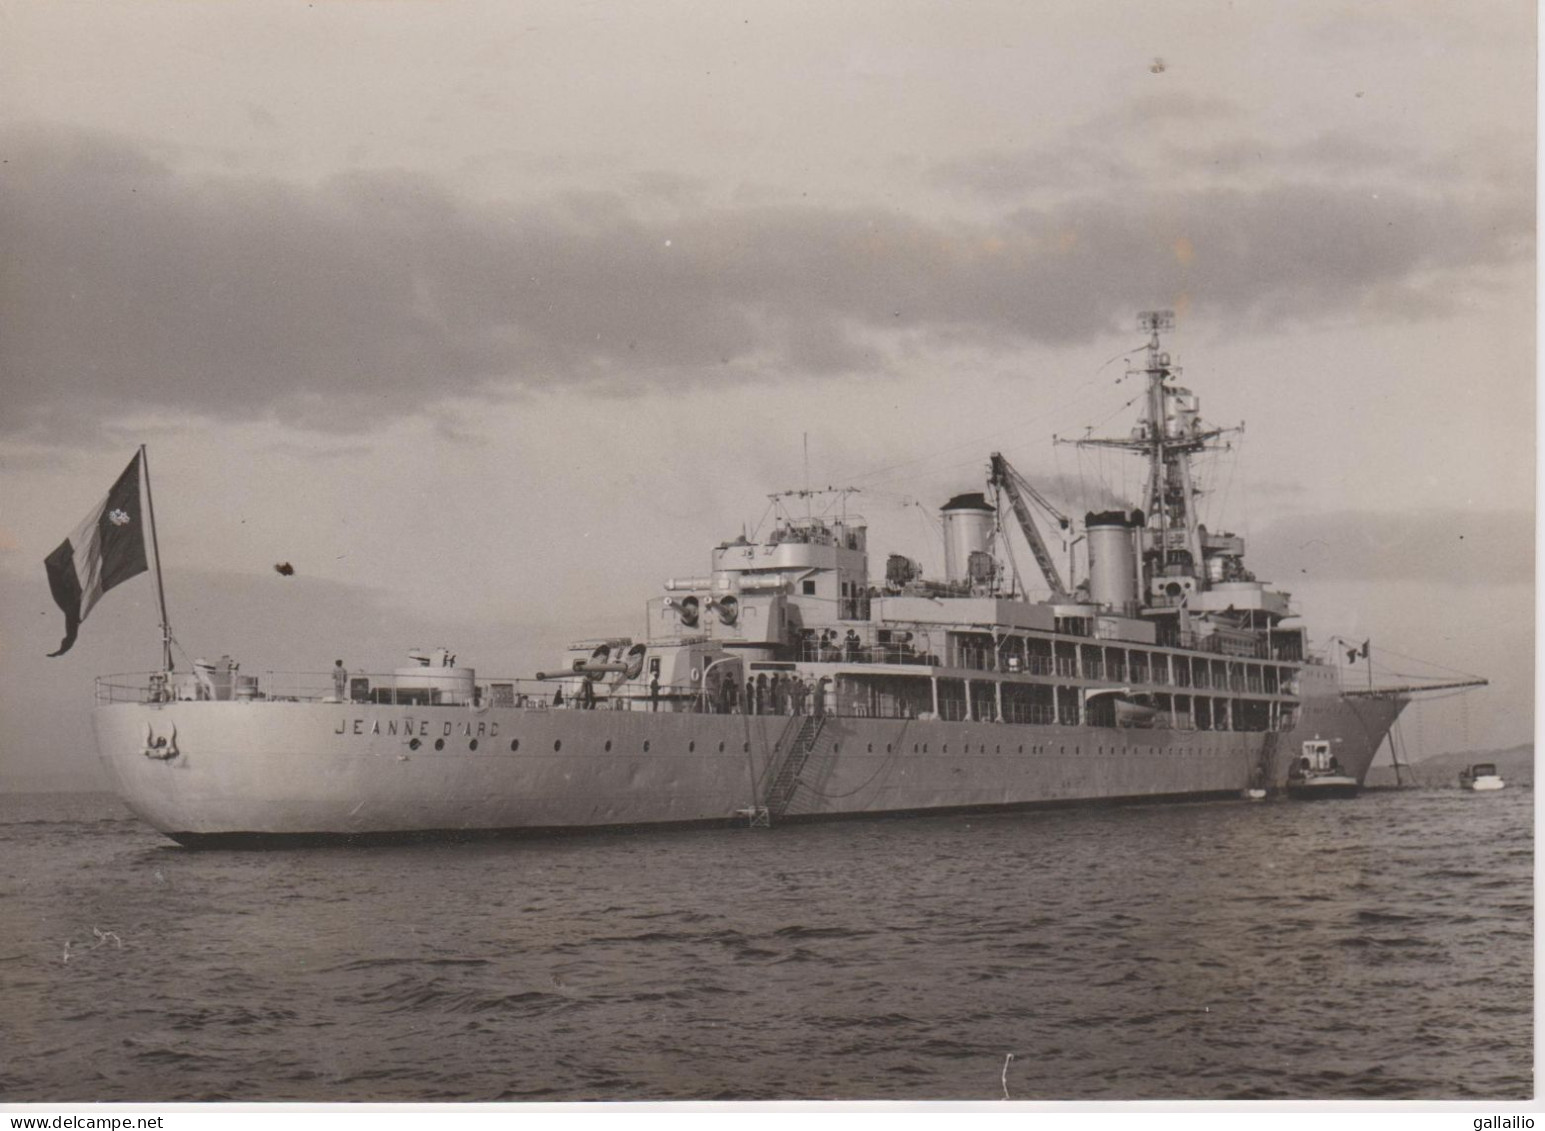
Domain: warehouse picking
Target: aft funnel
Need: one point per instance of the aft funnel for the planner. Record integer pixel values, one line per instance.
(968, 529)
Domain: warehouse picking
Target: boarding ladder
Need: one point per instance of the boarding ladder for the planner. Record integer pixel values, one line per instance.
(786, 779)
(1266, 762)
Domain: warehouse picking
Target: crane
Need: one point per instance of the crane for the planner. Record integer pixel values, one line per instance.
(1003, 476)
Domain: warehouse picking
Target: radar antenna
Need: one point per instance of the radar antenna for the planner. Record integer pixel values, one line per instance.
(1167, 436)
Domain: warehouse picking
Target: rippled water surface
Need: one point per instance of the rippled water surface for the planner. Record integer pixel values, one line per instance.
(1376, 948)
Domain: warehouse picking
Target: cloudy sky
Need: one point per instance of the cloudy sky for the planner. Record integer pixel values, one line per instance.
(488, 317)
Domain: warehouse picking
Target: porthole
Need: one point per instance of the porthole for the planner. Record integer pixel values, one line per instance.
(514, 745)
(414, 745)
(557, 744)
(998, 749)
(691, 747)
(608, 745)
(646, 746)
(745, 748)
(869, 749)
(472, 745)
(836, 748)
(721, 748)
(887, 747)
(1021, 747)
(439, 744)
(946, 748)
(925, 748)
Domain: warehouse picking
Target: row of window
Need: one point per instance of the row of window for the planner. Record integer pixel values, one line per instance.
(917, 748)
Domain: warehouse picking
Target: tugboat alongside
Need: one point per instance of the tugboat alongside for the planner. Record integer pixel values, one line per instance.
(1316, 774)
(788, 681)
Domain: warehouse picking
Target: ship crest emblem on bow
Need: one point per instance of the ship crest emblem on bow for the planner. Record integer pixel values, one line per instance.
(163, 748)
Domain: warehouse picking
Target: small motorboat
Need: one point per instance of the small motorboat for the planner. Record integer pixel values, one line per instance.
(1480, 777)
(1316, 774)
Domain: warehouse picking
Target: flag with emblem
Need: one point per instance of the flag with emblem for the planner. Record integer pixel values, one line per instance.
(107, 548)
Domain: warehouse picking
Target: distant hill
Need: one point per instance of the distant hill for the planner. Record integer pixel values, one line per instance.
(1515, 764)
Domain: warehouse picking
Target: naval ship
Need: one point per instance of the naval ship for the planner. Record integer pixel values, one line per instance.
(796, 680)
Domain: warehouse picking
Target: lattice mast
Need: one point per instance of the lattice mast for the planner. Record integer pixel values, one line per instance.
(1168, 435)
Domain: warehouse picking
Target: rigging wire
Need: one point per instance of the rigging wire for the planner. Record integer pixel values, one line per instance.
(1233, 470)
(1428, 663)
(757, 529)
(1084, 388)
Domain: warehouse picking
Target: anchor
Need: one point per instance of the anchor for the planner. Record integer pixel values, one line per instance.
(161, 749)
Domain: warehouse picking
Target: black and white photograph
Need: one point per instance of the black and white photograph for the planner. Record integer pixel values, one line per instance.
(631, 552)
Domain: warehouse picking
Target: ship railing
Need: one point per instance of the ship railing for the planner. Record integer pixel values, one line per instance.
(321, 687)
(1032, 665)
(972, 659)
(977, 659)
(1027, 713)
(987, 660)
(813, 652)
(1220, 646)
(389, 689)
(131, 687)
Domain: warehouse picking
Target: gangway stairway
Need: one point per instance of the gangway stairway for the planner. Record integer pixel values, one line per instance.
(785, 777)
(1265, 764)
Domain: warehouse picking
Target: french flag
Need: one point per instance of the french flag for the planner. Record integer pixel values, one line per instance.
(105, 549)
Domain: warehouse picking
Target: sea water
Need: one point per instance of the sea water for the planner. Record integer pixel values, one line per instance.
(1373, 948)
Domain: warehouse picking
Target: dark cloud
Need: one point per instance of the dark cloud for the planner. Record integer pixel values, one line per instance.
(374, 294)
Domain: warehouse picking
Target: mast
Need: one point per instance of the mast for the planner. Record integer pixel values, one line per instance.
(1152, 320)
(155, 545)
(1167, 439)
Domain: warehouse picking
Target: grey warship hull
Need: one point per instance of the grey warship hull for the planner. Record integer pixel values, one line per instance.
(268, 770)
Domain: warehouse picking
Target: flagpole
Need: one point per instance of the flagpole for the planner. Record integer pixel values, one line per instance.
(155, 545)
